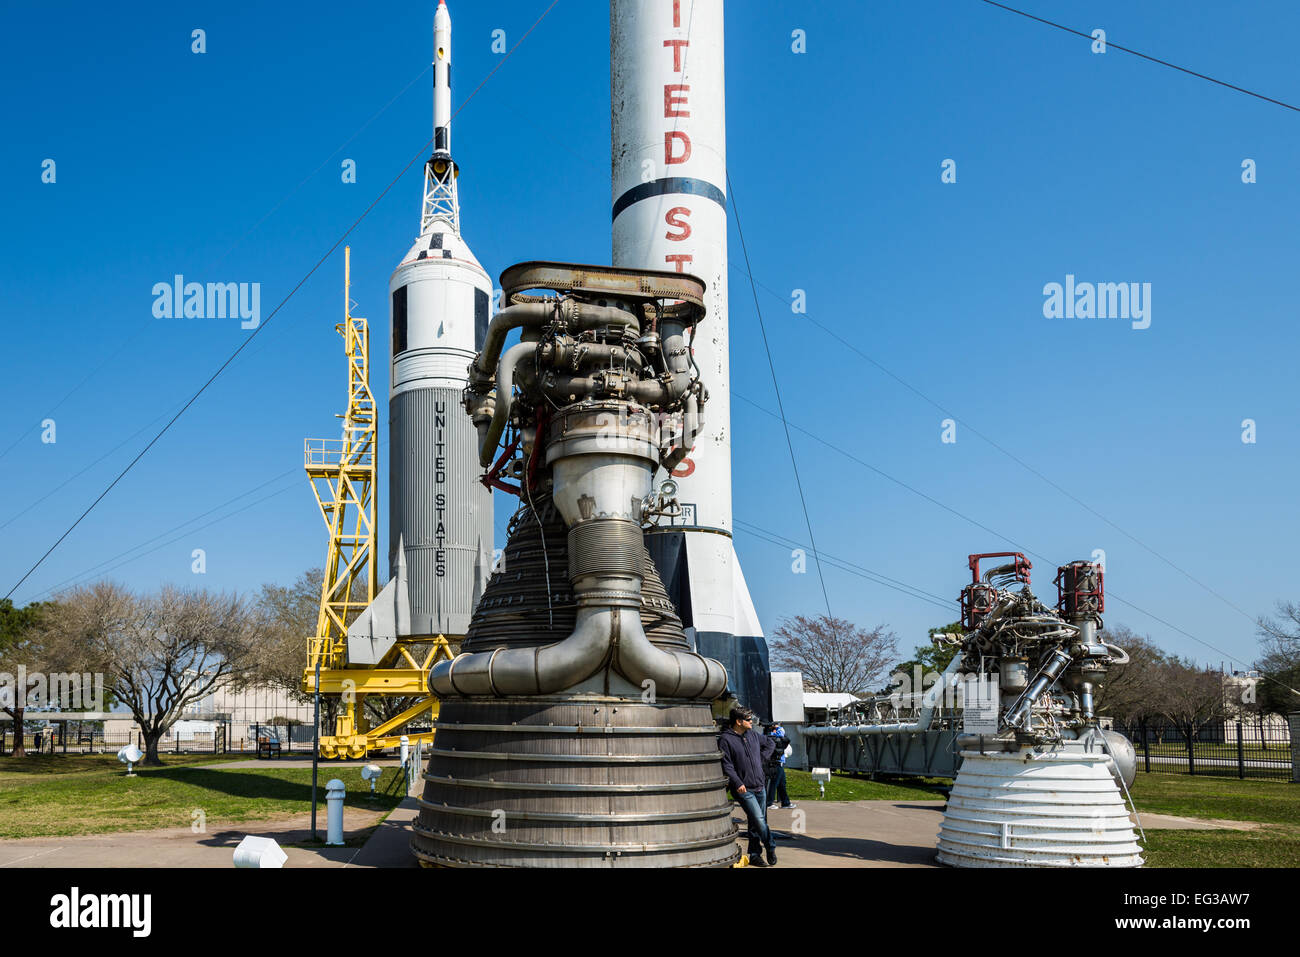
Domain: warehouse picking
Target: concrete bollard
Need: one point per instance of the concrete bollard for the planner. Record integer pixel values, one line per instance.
(406, 749)
(335, 792)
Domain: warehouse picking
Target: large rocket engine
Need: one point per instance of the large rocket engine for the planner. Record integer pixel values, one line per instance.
(575, 727)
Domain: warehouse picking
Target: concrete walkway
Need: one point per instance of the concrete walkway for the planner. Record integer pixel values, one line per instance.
(854, 833)
(1172, 822)
(815, 834)
(181, 847)
(389, 846)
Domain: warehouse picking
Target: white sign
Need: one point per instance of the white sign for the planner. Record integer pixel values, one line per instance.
(687, 517)
(979, 705)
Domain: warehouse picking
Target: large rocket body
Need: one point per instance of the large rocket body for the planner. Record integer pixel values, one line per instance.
(440, 515)
(669, 198)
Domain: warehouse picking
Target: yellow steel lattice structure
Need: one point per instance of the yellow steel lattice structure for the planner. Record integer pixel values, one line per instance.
(343, 473)
(344, 478)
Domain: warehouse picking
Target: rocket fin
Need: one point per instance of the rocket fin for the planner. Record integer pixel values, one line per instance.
(746, 616)
(385, 619)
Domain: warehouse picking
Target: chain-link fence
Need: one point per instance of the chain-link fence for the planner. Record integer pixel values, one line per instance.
(1245, 748)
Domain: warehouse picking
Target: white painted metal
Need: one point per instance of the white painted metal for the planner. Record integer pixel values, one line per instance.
(442, 77)
(787, 697)
(440, 527)
(440, 199)
(1060, 808)
(669, 195)
(256, 851)
(444, 294)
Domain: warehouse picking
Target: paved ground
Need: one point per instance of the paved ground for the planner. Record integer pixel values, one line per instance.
(855, 833)
(180, 847)
(816, 834)
(1171, 822)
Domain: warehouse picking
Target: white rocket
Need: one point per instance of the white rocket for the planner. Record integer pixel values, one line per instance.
(670, 212)
(440, 515)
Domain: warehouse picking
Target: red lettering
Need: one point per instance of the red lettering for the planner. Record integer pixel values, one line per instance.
(677, 13)
(681, 259)
(674, 217)
(678, 46)
(684, 468)
(674, 99)
(669, 158)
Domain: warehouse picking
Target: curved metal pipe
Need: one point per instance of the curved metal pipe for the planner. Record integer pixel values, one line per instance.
(511, 317)
(525, 671)
(1119, 654)
(588, 316)
(675, 674)
(931, 697)
(505, 387)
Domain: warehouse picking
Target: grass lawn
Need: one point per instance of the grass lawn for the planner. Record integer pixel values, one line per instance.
(89, 794)
(843, 787)
(1274, 803)
(18, 769)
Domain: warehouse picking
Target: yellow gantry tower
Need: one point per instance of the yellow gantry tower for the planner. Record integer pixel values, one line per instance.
(343, 474)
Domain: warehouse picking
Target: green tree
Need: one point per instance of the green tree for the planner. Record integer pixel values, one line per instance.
(929, 657)
(20, 644)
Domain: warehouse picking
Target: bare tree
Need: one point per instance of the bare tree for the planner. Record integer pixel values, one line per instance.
(159, 653)
(291, 614)
(1190, 697)
(1132, 692)
(1281, 635)
(834, 655)
(1278, 690)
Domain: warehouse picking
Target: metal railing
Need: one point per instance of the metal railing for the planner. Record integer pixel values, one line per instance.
(1244, 748)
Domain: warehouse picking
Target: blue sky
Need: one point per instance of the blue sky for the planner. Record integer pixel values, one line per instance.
(225, 166)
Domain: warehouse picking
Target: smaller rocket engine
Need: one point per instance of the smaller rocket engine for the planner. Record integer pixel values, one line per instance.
(1044, 790)
(1047, 662)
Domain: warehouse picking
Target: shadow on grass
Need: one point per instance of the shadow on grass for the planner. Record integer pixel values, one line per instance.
(280, 785)
(40, 764)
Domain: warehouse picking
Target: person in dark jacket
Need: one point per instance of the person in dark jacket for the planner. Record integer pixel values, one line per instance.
(744, 755)
(776, 768)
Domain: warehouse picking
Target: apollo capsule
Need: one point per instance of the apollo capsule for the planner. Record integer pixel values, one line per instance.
(440, 515)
